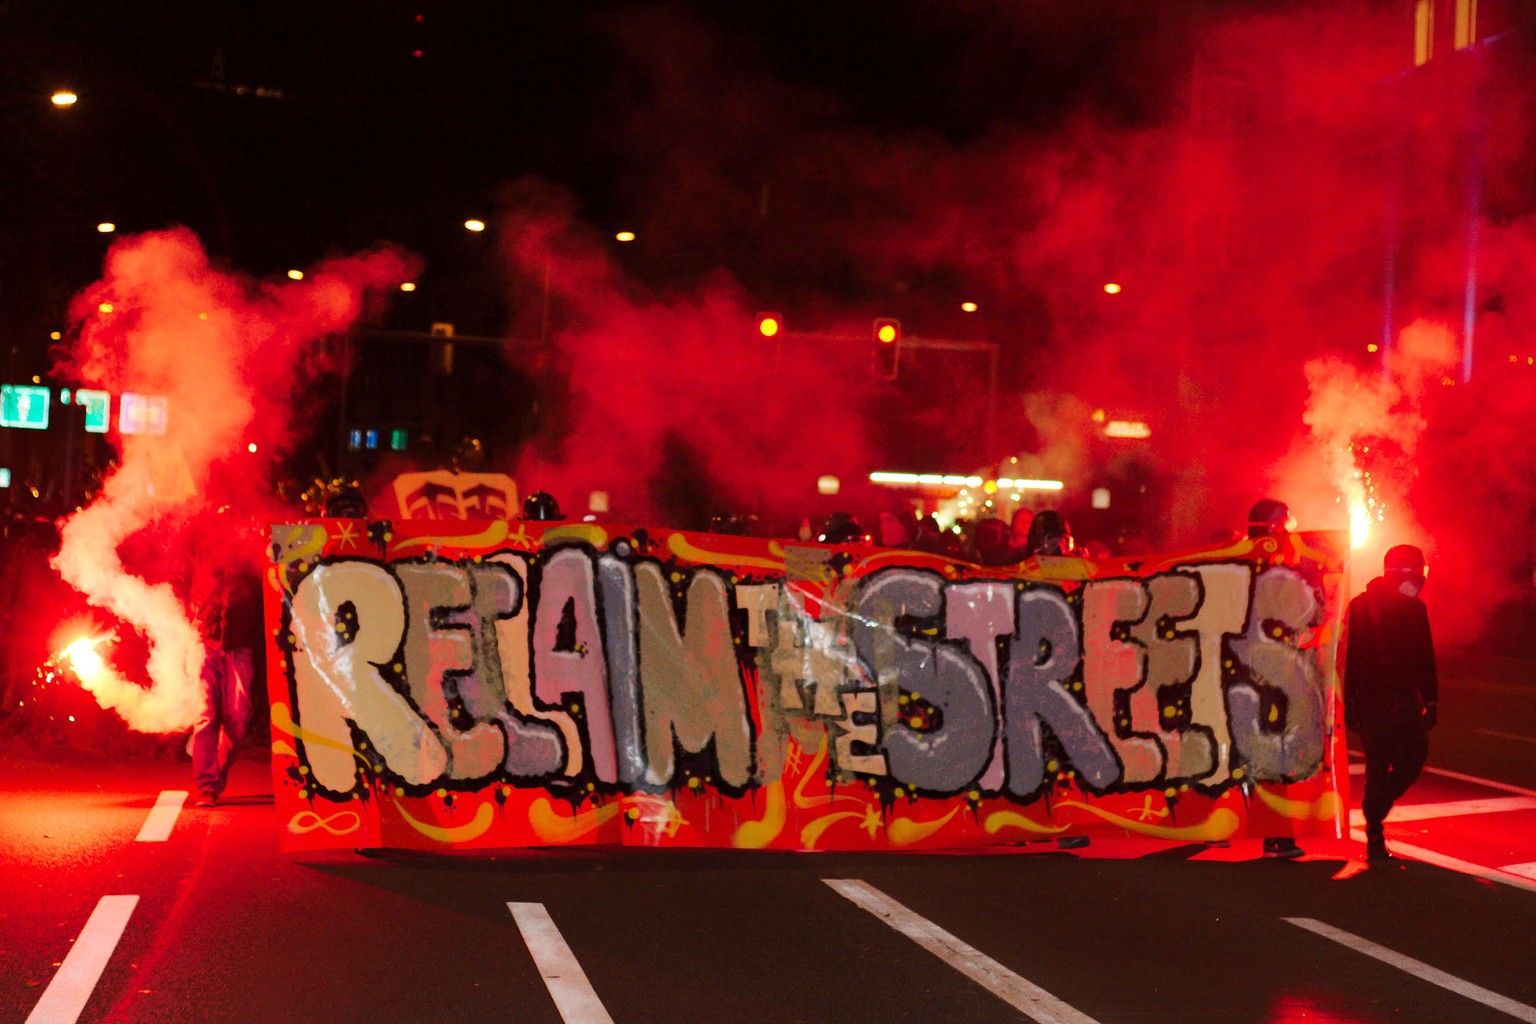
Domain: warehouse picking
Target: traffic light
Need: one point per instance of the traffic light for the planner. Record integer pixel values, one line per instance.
(885, 335)
(770, 329)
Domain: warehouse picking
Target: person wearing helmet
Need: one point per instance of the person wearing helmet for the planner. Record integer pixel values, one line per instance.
(1050, 534)
(347, 503)
(541, 507)
(841, 528)
(1270, 518)
(1390, 685)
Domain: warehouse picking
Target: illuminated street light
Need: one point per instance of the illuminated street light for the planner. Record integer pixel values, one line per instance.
(65, 98)
(625, 236)
(295, 275)
(1112, 288)
(408, 286)
(106, 227)
(968, 307)
(474, 225)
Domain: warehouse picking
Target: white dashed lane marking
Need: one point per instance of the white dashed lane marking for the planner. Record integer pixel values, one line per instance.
(1418, 969)
(71, 988)
(1019, 993)
(567, 982)
(1449, 809)
(162, 816)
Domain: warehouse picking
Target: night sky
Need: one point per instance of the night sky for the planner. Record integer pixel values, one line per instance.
(283, 131)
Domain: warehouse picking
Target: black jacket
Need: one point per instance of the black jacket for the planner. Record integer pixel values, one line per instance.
(1389, 660)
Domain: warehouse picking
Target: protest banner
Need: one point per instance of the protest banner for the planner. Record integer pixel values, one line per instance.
(441, 684)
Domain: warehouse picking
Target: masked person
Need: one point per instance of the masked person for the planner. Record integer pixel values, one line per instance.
(841, 528)
(1390, 685)
(1270, 518)
(1050, 534)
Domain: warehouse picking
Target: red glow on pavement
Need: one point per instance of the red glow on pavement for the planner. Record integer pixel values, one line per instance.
(228, 355)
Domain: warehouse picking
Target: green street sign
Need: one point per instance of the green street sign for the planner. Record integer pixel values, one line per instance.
(25, 406)
(98, 409)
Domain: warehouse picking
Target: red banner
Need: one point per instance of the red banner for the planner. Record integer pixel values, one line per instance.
(443, 684)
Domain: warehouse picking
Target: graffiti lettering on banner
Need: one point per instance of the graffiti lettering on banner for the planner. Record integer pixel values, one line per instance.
(495, 684)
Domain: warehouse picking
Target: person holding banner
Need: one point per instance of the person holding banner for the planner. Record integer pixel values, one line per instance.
(228, 611)
(1390, 685)
(1271, 518)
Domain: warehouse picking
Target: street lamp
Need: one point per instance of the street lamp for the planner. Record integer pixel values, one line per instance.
(474, 225)
(65, 98)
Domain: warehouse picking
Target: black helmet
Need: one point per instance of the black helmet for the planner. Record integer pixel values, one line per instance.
(541, 506)
(1269, 518)
(1050, 534)
(347, 503)
(1405, 560)
(842, 528)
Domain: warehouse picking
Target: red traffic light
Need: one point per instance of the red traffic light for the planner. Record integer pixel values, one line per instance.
(887, 332)
(769, 324)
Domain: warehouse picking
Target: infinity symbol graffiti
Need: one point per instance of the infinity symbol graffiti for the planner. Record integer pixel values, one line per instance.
(308, 821)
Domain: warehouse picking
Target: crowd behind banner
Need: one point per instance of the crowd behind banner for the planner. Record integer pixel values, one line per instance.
(441, 684)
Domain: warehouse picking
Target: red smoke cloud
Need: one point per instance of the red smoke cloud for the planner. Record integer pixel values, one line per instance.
(673, 404)
(229, 356)
(1274, 191)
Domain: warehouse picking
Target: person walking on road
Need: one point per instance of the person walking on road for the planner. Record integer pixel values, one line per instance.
(1390, 685)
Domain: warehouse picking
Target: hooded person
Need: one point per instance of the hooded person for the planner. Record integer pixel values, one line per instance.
(1050, 534)
(1391, 685)
(842, 528)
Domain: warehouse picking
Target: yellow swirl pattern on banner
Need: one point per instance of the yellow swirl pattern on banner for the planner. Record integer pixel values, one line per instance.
(553, 827)
(284, 747)
(811, 834)
(999, 820)
(1222, 824)
(807, 802)
(339, 824)
(283, 722)
(494, 533)
(1324, 808)
(471, 830)
(906, 831)
(755, 835)
(680, 546)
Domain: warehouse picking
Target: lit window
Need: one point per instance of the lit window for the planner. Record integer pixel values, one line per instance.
(1466, 23)
(1423, 32)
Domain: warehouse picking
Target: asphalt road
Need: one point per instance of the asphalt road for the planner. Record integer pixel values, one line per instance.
(220, 927)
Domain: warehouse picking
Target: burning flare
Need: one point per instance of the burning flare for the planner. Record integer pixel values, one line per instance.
(226, 354)
(88, 664)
